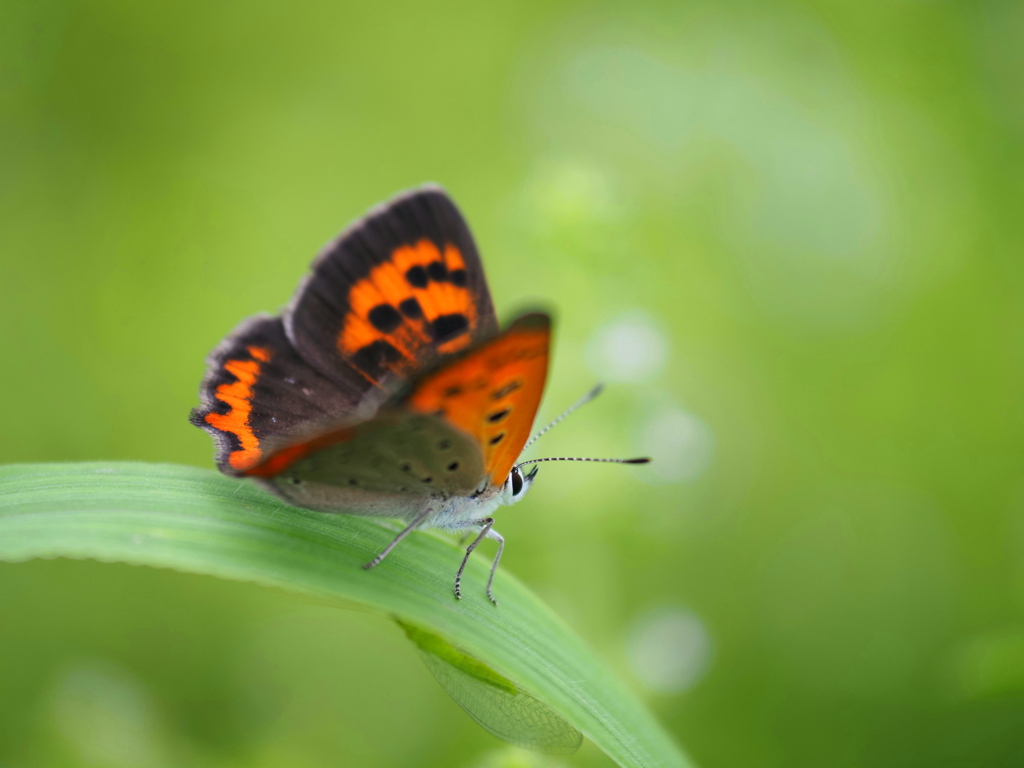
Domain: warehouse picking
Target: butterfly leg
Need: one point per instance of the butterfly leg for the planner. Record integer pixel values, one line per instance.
(487, 532)
(487, 522)
(493, 534)
(405, 532)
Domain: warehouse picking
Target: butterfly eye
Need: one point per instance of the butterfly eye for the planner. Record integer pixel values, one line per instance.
(517, 481)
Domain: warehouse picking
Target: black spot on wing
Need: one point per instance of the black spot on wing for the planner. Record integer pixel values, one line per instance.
(497, 438)
(374, 359)
(417, 277)
(411, 309)
(385, 318)
(497, 416)
(438, 271)
(446, 326)
(458, 277)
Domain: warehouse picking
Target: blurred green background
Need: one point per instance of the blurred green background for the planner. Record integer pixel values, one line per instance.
(787, 234)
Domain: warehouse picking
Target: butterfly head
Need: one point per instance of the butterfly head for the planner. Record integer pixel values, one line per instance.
(516, 485)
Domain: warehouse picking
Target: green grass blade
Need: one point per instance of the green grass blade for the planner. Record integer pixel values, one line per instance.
(201, 522)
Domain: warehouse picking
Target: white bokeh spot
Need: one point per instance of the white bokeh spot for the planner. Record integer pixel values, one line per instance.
(669, 650)
(629, 348)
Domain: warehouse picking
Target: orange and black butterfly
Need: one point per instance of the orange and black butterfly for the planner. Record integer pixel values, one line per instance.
(385, 388)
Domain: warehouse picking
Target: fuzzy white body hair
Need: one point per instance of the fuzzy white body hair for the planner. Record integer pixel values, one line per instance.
(460, 513)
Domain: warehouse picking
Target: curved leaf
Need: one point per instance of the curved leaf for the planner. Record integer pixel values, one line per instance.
(495, 702)
(201, 522)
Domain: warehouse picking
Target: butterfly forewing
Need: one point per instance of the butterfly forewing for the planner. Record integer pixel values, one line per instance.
(395, 293)
(492, 392)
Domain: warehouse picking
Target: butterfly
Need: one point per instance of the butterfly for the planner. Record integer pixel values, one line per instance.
(386, 387)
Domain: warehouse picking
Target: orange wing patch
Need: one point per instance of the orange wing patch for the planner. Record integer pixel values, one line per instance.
(279, 461)
(237, 395)
(418, 298)
(493, 392)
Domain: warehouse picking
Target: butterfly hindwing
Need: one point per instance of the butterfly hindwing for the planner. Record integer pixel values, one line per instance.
(257, 389)
(397, 291)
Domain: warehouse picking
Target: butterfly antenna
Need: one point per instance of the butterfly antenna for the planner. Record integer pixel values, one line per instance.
(641, 460)
(579, 403)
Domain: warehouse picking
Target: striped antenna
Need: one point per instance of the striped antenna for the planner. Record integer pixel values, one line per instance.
(642, 460)
(579, 403)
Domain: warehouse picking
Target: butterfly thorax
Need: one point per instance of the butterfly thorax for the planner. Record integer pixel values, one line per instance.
(460, 512)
